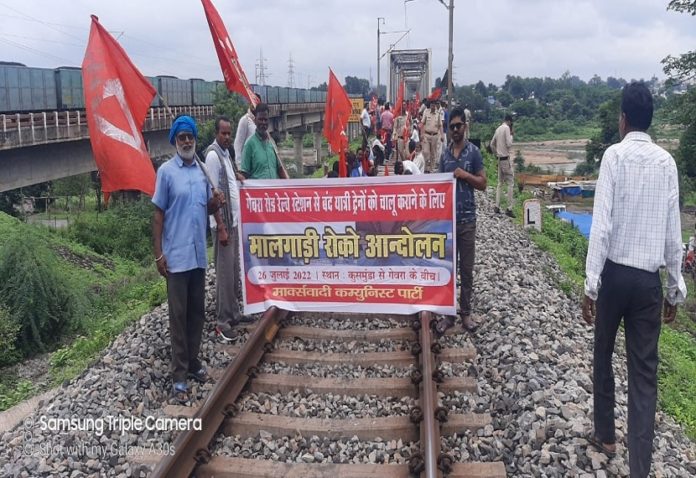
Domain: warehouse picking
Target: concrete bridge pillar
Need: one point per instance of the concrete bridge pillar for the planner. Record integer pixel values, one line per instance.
(317, 146)
(298, 137)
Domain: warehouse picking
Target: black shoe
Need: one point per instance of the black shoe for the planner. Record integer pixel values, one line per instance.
(225, 332)
(509, 213)
(246, 319)
(496, 210)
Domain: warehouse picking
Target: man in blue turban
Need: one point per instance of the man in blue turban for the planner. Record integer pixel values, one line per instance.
(183, 199)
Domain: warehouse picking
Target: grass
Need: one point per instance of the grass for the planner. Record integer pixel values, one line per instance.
(677, 347)
(119, 293)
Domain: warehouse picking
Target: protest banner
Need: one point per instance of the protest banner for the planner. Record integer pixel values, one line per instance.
(355, 245)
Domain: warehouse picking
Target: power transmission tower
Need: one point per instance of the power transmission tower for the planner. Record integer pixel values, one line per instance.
(291, 72)
(261, 68)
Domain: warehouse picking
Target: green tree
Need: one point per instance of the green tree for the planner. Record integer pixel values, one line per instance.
(608, 119)
(73, 186)
(519, 161)
(358, 86)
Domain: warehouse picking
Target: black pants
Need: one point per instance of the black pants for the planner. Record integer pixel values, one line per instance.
(636, 296)
(466, 250)
(186, 297)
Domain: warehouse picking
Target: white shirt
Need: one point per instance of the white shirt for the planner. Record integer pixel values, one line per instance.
(502, 141)
(419, 161)
(412, 167)
(245, 130)
(415, 136)
(365, 118)
(635, 221)
(212, 164)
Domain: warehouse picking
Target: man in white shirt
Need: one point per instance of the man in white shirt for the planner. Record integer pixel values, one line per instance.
(406, 167)
(224, 176)
(245, 130)
(636, 229)
(501, 144)
(366, 122)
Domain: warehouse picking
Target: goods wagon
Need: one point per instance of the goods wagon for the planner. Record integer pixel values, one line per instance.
(176, 92)
(69, 88)
(26, 89)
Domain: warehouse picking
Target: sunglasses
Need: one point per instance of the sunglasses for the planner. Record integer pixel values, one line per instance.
(184, 137)
(455, 126)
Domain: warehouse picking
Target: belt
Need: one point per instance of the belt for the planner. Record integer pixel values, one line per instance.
(431, 134)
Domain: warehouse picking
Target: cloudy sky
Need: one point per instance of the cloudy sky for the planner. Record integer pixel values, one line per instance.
(492, 38)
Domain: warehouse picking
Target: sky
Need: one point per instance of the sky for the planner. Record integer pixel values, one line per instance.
(492, 38)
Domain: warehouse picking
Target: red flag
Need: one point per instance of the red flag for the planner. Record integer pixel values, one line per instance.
(399, 99)
(336, 113)
(232, 71)
(435, 95)
(117, 98)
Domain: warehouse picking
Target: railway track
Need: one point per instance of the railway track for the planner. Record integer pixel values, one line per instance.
(410, 348)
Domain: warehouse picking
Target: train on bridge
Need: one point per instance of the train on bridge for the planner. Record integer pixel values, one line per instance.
(25, 89)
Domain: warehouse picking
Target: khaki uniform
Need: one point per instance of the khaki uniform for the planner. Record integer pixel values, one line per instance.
(432, 131)
(501, 144)
(398, 138)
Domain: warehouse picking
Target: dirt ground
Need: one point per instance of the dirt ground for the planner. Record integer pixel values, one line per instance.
(562, 153)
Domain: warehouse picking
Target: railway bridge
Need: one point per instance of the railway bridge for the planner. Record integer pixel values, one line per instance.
(42, 146)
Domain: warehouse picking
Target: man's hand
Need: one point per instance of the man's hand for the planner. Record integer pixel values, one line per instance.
(588, 310)
(162, 266)
(459, 173)
(217, 201)
(223, 237)
(240, 177)
(670, 312)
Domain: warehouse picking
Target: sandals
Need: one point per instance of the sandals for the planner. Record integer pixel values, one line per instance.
(180, 393)
(200, 376)
(597, 443)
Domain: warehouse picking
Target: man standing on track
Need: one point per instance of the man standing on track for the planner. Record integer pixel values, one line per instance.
(464, 160)
(432, 131)
(636, 229)
(224, 176)
(501, 144)
(387, 127)
(183, 199)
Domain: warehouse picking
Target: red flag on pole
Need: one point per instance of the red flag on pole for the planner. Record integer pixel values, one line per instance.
(435, 95)
(232, 71)
(336, 113)
(399, 99)
(117, 98)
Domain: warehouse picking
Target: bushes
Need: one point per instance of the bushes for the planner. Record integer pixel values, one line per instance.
(123, 230)
(42, 304)
(9, 330)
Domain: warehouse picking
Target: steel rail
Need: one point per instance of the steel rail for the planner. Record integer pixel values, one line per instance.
(430, 427)
(192, 446)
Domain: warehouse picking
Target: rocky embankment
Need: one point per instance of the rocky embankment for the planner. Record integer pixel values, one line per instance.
(533, 367)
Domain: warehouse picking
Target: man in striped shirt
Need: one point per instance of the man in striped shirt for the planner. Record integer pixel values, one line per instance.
(635, 230)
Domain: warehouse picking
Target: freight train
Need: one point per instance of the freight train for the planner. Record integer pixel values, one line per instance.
(24, 89)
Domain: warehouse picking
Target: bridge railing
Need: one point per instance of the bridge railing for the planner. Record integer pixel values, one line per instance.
(29, 129)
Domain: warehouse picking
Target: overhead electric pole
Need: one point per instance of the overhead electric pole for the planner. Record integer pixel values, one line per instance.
(291, 72)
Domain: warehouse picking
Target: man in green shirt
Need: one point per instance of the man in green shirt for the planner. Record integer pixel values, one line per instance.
(260, 159)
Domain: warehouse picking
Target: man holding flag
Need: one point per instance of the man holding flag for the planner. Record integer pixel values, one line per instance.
(183, 199)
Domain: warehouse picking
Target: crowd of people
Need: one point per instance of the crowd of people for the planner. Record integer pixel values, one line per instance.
(408, 138)
(635, 231)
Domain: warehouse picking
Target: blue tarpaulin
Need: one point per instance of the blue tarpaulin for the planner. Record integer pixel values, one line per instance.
(583, 221)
